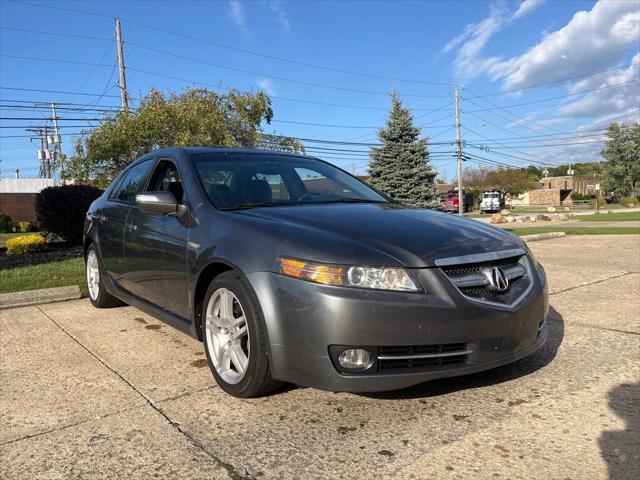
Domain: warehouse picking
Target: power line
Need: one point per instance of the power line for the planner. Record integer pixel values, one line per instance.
(538, 160)
(238, 70)
(236, 49)
(549, 98)
(552, 82)
(62, 92)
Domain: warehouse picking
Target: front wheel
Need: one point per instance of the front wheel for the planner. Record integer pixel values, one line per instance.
(99, 297)
(235, 338)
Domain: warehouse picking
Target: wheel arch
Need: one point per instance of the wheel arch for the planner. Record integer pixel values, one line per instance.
(207, 275)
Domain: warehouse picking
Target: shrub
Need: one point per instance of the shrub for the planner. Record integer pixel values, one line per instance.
(25, 227)
(61, 210)
(629, 201)
(26, 244)
(5, 223)
(579, 196)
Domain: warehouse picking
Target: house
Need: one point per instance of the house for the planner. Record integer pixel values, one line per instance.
(18, 197)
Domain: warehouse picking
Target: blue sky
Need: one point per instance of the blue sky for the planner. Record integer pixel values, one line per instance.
(503, 49)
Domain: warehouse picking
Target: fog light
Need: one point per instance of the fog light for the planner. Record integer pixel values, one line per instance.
(354, 358)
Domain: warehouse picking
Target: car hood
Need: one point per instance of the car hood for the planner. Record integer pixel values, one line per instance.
(415, 237)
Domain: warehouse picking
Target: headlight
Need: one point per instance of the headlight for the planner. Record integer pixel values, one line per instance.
(379, 278)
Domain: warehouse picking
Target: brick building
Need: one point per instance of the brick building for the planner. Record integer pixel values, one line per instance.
(18, 196)
(556, 191)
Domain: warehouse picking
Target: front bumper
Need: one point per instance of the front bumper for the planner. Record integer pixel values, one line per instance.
(304, 319)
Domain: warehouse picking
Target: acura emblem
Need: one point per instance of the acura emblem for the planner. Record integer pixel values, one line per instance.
(498, 281)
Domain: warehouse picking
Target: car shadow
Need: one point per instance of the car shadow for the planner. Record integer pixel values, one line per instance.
(520, 368)
(621, 448)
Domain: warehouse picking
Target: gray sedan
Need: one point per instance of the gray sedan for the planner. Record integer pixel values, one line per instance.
(289, 269)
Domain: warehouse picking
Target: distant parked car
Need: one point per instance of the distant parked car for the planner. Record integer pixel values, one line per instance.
(291, 270)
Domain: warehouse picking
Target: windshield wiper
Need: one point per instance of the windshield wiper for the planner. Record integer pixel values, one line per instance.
(356, 200)
(247, 206)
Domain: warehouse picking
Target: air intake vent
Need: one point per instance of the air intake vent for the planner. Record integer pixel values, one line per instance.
(414, 358)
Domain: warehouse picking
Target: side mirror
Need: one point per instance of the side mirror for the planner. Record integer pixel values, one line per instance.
(160, 203)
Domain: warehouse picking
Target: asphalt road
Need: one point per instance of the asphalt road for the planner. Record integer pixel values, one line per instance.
(88, 393)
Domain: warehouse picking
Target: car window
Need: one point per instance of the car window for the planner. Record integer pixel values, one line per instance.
(316, 183)
(276, 184)
(165, 179)
(243, 180)
(133, 182)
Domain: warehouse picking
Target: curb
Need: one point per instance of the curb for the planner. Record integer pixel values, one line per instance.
(36, 297)
(542, 236)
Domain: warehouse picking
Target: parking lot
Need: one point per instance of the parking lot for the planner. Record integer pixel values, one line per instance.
(115, 393)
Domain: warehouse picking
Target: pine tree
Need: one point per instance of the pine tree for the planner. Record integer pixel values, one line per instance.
(401, 167)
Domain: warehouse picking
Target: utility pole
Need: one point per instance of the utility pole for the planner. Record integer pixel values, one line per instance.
(123, 80)
(57, 146)
(44, 154)
(459, 145)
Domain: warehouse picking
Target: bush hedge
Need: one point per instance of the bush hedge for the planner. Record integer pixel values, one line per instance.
(61, 210)
(5, 223)
(26, 244)
(25, 227)
(629, 201)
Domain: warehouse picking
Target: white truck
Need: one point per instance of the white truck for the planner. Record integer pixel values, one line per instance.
(492, 201)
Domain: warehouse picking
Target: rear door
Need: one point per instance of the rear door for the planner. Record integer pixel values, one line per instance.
(112, 216)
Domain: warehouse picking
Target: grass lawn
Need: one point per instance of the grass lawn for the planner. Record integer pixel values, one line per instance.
(609, 217)
(54, 274)
(576, 230)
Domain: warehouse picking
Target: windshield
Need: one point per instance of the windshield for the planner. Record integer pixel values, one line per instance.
(247, 180)
(491, 195)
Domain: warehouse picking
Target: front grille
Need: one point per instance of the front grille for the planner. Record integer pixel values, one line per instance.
(414, 358)
(472, 281)
(421, 349)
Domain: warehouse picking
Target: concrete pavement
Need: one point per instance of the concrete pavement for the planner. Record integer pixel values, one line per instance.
(88, 393)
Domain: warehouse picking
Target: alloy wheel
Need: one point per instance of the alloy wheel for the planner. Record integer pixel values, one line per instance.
(227, 334)
(93, 275)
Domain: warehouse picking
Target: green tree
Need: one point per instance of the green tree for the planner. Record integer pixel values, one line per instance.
(197, 117)
(621, 172)
(510, 180)
(401, 167)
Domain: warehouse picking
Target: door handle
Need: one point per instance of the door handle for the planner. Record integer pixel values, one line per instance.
(132, 227)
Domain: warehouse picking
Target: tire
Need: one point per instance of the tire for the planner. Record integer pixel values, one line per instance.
(236, 344)
(98, 295)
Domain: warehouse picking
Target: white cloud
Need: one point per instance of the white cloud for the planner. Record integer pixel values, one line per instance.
(591, 41)
(532, 122)
(266, 84)
(476, 35)
(282, 19)
(618, 99)
(236, 14)
(526, 7)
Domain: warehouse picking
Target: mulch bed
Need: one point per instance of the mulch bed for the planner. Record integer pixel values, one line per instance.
(54, 253)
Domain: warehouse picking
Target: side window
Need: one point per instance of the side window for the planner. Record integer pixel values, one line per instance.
(165, 179)
(132, 183)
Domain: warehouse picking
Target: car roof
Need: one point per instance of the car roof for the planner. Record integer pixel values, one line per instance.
(190, 150)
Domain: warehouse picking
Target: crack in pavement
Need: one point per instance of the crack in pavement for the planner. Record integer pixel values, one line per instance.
(70, 425)
(231, 470)
(592, 283)
(597, 327)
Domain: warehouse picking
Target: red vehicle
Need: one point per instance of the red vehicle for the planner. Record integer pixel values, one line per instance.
(450, 201)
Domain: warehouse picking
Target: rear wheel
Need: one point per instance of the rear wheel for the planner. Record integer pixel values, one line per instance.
(99, 297)
(235, 338)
